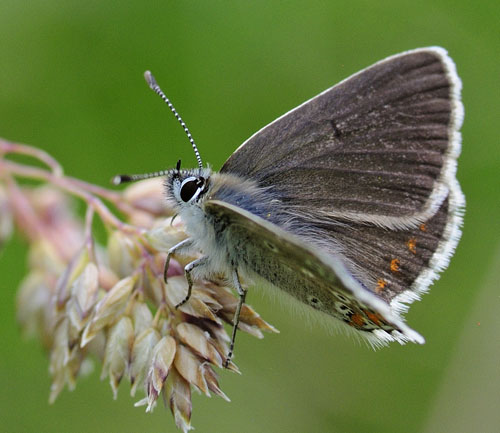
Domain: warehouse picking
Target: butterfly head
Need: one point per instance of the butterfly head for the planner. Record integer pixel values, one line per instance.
(187, 187)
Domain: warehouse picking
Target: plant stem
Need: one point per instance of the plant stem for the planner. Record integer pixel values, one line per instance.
(74, 186)
(111, 196)
(23, 149)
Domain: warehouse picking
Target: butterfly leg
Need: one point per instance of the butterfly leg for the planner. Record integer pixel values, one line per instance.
(236, 319)
(186, 243)
(187, 271)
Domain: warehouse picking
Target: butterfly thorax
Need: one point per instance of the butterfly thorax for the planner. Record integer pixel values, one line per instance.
(190, 190)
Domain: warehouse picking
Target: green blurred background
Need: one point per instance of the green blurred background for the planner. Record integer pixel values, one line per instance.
(71, 83)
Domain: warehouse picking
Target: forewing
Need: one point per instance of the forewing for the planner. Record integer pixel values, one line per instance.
(318, 280)
(380, 147)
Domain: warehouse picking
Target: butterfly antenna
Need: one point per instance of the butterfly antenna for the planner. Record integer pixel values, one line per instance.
(154, 85)
(122, 178)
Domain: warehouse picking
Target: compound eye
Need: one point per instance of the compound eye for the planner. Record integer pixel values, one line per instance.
(190, 188)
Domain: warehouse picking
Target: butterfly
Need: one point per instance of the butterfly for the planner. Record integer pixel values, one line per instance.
(348, 204)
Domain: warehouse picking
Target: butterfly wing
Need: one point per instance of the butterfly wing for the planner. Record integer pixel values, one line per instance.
(366, 170)
(319, 280)
(396, 264)
(379, 147)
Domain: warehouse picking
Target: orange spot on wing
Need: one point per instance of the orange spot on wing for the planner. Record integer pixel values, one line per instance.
(357, 320)
(374, 317)
(380, 285)
(423, 227)
(395, 265)
(412, 245)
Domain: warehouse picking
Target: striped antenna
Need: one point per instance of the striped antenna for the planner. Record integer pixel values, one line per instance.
(152, 83)
(122, 178)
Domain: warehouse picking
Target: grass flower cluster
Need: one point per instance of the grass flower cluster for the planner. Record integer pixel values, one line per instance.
(91, 302)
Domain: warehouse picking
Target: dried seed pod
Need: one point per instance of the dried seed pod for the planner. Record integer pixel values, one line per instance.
(179, 398)
(161, 362)
(117, 353)
(140, 359)
(34, 307)
(213, 384)
(142, 317)
(189, 367)
(83, 296)
(58, 359)
(123, 254)
(109, 309)
(200, 341)
(72, 271)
